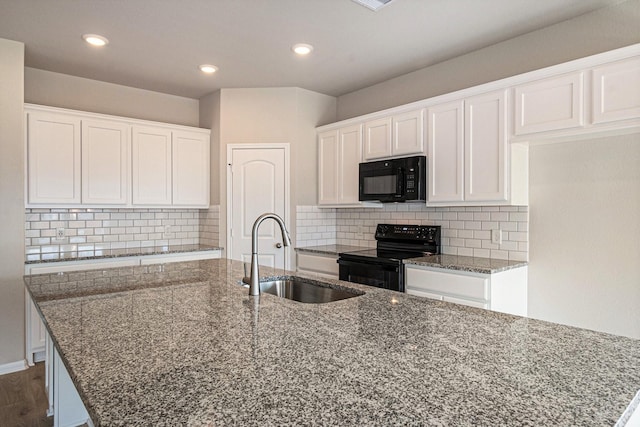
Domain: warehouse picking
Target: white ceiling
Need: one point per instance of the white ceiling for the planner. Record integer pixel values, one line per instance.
(158, 44)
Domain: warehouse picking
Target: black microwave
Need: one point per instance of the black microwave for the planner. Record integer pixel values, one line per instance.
(394, 180)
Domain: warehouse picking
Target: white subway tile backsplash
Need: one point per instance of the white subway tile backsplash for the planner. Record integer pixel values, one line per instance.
(465, 230)
(90, 231)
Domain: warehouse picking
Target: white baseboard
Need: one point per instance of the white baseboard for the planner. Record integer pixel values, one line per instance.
(8, 368)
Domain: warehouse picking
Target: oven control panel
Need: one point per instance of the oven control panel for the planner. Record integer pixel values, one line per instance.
(415, 233)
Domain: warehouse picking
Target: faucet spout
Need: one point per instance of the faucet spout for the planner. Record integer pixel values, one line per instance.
(254, 278)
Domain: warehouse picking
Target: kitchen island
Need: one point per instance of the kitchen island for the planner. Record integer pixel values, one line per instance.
(184, 344)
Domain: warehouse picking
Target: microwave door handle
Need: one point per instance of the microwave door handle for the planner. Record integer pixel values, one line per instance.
(400, 184)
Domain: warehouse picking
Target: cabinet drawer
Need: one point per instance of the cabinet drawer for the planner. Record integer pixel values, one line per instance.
(318, 264)
(447, 284)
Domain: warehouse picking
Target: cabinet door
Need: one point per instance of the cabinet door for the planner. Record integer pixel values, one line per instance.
(349, 157)
(550, 104)
(151, 166)
(377, 139)
(105, 162)
(445, 146)
(486, 148)
(190, 169)
(616, 91)
(408, 133)
(328, 168)
(53, 158)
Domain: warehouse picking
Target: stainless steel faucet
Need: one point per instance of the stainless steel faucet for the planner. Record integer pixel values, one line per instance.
(254, 278)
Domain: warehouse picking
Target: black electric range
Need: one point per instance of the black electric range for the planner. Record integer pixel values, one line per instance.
(382, 267)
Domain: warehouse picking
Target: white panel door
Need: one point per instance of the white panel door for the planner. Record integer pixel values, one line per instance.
(349, 157)
(377, 138)
(408, 133)
(105, 162)
(53, 151)
(190, 169)
(445, 148)
(486, 148)
(616, 91)
(151, 166)
(550, 104)
(328, 168)
(258, 185)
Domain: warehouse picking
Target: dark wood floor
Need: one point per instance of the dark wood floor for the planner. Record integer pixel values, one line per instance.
(23, 401)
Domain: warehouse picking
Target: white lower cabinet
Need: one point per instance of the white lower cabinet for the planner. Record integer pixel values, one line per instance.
(324, 265)
(68, 409)
(505, 291)
(36, 333)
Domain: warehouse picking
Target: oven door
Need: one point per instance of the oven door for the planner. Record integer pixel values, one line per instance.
(370, 273)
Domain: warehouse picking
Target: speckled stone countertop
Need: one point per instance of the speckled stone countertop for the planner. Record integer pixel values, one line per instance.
(331, 249)
(466, 263)
(184, 344)
(116, 253)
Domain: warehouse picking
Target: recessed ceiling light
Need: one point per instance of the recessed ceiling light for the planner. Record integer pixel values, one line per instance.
(208, 68)
(302, 48)
(95, 40)
(373, 4)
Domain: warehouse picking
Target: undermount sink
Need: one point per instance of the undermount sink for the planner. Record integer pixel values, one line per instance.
(306, 290)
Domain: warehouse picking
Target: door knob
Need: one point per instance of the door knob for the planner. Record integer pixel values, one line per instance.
(278, 245)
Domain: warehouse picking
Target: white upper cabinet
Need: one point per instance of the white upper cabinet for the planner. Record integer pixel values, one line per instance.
(485, 146)
(616, 91)
(550, 104)
(76, 159)
(408, 133)
(328, 167)
(105, 162)
(151, 166)
(398, 135)
(445, 142)
(53, 158)
(190, 168)
(349, 157)
(377, 138)
(468, 154)
(339, 153)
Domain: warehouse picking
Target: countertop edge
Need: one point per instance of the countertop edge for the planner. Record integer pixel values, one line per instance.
(123, 253)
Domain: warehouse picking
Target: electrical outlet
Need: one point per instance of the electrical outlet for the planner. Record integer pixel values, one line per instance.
(360, 232)
(167, 231)
(496, 236)
(59, 233)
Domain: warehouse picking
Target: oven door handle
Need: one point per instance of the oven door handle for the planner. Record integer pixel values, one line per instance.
(346, 263)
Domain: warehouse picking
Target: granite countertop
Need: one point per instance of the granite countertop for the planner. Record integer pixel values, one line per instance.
(466, 263)
(184, 344)
(331, 249)
(116, 253)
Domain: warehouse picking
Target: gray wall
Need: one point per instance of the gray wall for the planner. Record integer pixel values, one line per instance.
(274, 115)
(585, 234)
(77, 93)
(210, 119)
(589, 34)
(12, 202)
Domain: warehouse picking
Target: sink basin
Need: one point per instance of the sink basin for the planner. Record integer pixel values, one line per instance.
(306, 290)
